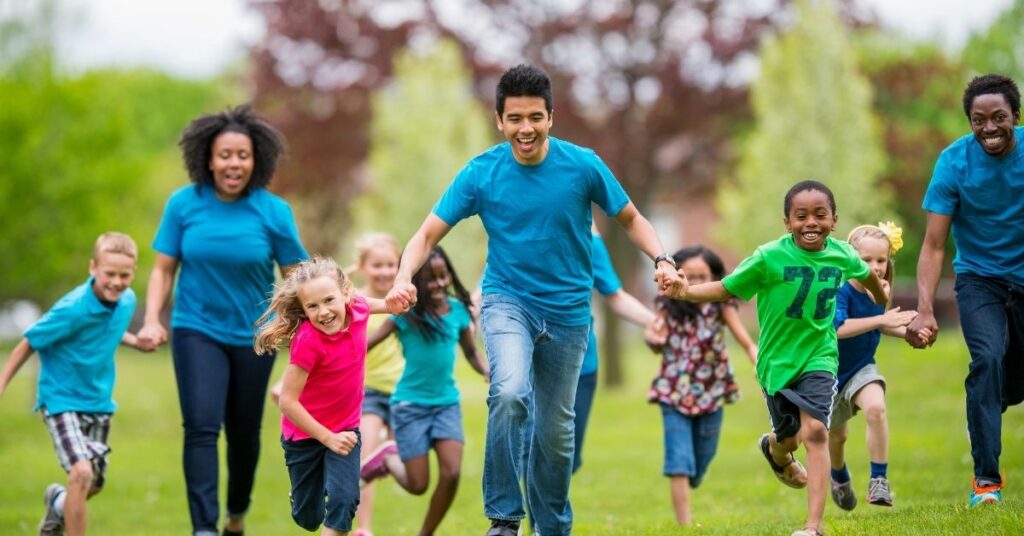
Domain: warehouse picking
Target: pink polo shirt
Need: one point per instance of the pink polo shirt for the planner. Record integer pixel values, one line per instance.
(333, 394)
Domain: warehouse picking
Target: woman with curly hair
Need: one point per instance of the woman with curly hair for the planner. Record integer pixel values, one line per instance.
(225, 231)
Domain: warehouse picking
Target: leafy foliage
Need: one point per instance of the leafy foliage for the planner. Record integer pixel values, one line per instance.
(813, 121)
(426, 124)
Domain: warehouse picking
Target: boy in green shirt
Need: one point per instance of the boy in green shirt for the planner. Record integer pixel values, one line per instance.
(795, 279)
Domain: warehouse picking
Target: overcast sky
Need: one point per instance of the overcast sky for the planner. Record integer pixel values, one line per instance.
(197, 38)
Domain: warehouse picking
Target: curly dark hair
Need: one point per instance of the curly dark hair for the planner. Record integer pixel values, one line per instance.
(196, 144)
(681, 310)
(422, 316)
(523, 81)
(804, 186)
(992, 84)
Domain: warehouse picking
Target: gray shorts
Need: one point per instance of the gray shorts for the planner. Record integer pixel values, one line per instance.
(417, 427)
(844, 409)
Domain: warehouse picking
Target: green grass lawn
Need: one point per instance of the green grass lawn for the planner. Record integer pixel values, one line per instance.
(619, 490)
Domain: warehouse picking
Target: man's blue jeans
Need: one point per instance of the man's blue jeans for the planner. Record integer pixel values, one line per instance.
(529, 358)
(992, 320)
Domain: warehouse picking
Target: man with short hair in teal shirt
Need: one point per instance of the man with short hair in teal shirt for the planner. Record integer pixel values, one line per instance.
(977, 191)
(534, 196)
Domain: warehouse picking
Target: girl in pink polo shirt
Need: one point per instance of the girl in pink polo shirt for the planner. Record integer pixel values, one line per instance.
(322, 389)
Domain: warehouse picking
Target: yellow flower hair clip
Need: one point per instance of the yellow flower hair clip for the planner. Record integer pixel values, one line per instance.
(894, 234)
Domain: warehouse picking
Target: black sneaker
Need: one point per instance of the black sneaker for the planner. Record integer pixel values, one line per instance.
(503, 527)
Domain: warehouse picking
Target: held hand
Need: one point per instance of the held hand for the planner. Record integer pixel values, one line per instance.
(922, 331)
(341, 443)
(656, 334)
(894, 318)
(671, 283)
(150, 336)
(401, 297)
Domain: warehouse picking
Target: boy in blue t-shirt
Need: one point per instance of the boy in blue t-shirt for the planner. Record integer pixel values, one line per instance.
(76, 340)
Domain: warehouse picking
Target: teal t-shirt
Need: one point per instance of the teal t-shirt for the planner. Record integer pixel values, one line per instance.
(226, 252)
(76, 341)
(984, 195)
(606, 281)
(537, 220)
(796, 291)
(429, 375)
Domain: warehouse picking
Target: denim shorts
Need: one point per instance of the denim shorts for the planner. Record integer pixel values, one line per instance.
(690, 442)
(417, 427)
(324, 484)
(377, 403)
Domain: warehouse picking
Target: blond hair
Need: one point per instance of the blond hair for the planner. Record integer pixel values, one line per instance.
(874, 231)
(114, 242)
(369, 242)
(285, 313)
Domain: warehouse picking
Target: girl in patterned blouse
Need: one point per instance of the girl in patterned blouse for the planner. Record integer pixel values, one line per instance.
(695, 379)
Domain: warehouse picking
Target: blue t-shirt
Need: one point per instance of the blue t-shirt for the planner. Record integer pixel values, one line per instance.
(76, 340)
(856, 352)
(537, 220)
(226, 252)
(985, 197)
(607, 283)
(429, 375)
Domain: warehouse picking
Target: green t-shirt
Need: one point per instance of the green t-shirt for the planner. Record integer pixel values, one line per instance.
(796, 292)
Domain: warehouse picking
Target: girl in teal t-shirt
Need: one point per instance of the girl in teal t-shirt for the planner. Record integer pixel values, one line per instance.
(795, 279)
(425, 412)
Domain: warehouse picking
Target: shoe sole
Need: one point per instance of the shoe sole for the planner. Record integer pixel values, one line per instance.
(764, 445)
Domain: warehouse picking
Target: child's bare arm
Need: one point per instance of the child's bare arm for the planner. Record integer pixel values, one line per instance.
(893, 319)
(732, 320)
(713, 291)
(379, 306)
(293, 382)
(19, 355)
(131, 340)
(469, 350)
(382, 332)
(626, 306)
(876, 287)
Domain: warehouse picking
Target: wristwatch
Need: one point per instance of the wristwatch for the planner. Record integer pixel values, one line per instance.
(664, 257)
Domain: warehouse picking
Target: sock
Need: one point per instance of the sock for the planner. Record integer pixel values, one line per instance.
(878, 469)
(58, 502)
(842, 475)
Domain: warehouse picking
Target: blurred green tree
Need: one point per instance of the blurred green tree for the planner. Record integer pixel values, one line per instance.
(813, 121)
(997, 49)
(426, 124)
(917, 89)
(81, 155)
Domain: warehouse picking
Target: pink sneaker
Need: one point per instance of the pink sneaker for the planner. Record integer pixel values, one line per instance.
(374, 466)
(362, 532)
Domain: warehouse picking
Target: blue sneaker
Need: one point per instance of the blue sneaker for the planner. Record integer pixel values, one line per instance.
(991, 494)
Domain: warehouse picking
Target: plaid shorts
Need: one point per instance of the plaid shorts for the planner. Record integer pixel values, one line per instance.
(81, 436)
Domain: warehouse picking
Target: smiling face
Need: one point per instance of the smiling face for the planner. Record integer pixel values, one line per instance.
(697, 270)
(324, 304)
(380, 265)
(875, 252)
(439, 282)
(231, 163)
(810, 219)
(525, 122)
(112, 273)
(992, 122)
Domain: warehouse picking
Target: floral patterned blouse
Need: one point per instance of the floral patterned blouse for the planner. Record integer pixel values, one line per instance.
(695, 376)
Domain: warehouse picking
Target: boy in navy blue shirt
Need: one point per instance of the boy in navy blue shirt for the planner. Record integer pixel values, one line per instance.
(76, 340)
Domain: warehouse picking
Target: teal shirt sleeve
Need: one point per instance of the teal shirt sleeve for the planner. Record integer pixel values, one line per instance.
(605, 188)
(54, 326)
(168, 234)
(943, 195)
(284, 237)
(459, 201)
(606, 281)
(748, 278)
